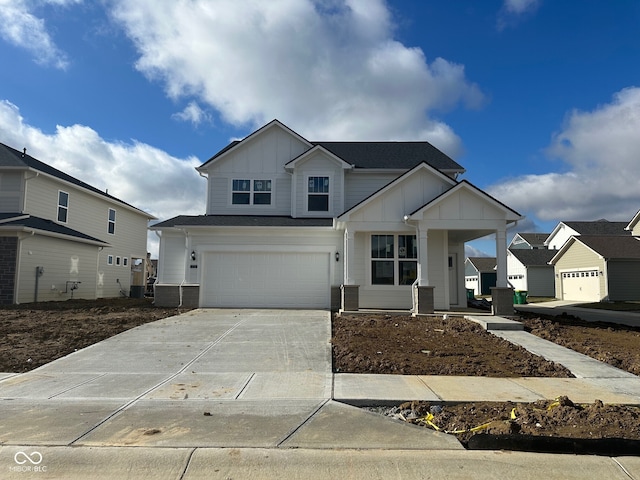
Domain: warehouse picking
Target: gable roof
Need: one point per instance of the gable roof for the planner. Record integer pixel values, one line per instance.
(12, 158)
(634, 221)
(483, 264)
(470, 186)
(365, 155)
(31, 224)
(234, 145)
(317, 148)
(394, 182)
(610, 247)
(392, 155)
(534, 257)
(241, 221)
(533, 238)
(599, 227)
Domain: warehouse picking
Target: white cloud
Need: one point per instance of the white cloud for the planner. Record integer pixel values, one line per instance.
(513, 10)
(20, 27)
(134, 172)
(601, 152)
(330, 68)
(192, 113)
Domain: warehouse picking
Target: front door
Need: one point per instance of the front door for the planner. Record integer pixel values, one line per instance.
(453, 278)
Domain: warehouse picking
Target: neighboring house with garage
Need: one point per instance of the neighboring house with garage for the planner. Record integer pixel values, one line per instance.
(61, 238)
(565, 230)
(528, 241)
(480, 274)
(594, 268)
(529, 270)
(293, 223)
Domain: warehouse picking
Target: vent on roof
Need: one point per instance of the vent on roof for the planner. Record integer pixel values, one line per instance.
(24, 152)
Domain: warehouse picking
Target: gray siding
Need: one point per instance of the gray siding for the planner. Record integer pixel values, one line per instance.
(624, 280)
(359, 186)
(541, 282)
(11, 187)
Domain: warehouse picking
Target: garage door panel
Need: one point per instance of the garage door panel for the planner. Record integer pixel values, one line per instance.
(581, 285)
(266, 279)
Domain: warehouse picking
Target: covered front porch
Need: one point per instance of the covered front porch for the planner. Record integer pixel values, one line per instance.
(439, 230)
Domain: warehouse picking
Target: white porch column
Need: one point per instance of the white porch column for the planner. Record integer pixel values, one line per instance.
(349, 253)
(423, 268)
(501, 257)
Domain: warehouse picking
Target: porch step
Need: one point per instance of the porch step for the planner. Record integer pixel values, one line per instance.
(491, 322)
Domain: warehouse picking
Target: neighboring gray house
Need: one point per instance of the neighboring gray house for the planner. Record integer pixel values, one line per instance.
(594, 268)
(529, 270)
(528, 241)
(62, 238)
(480, 274)
(292, 223)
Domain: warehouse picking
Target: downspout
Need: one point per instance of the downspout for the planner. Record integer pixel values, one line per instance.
(414, 285)
(186, 262)
(159, 265)
(204, 175)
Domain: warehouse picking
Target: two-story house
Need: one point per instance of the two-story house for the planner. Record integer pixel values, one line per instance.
(293, 223)
(61, 238)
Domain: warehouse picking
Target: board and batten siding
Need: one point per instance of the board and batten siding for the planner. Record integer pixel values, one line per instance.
(261, 157)
(624, 280)
(63, 262)
(516, 269)
(171, 269)
(400, 296)
(579, 257)
(359, 186)
(319, 165)
(11, 188)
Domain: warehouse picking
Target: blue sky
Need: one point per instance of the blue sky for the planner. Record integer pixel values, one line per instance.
(539, 100)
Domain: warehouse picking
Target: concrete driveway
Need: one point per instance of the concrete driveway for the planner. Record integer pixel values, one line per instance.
(208, 378)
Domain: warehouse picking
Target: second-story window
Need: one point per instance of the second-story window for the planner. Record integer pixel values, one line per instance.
(251, 192)
(111, 221)
(63, 206)
(318, 194)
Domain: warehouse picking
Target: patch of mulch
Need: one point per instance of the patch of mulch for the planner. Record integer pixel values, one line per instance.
(405, 345)
(38, 333)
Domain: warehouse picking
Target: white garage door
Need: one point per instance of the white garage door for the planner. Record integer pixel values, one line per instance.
(581, 285)
(266, 279)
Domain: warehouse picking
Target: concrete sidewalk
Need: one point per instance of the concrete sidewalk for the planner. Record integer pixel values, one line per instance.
(558, 307)
(250, 394)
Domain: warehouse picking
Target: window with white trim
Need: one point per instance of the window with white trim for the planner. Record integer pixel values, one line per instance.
(110, 260)
(63, 206)
(111, 221)
(318, 194)
(251, 191)
(394, 259)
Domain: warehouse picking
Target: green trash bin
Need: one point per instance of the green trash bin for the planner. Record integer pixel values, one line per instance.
(470, 295)
(517, 298)
(523, 297)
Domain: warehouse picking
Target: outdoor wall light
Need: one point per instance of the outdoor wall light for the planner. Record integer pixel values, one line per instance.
(337, 256)
(193, 254)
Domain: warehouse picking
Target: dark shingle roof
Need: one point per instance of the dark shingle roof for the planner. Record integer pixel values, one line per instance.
(613, 247)
(483, 264)
(599, 227)
(400, 155)
(533, 258)
(242, 221)
(10, 157)
(534, 238)
(37, 223)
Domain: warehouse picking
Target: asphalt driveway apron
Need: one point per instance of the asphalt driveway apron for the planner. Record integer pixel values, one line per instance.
(208, 378)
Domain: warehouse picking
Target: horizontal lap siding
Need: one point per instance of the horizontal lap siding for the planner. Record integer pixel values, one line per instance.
(11, 192)
(359, 186)
(541, 282)
(62, 261)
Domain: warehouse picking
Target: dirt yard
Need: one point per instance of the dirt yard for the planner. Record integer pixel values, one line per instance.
(433, 346)
(35, 334)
